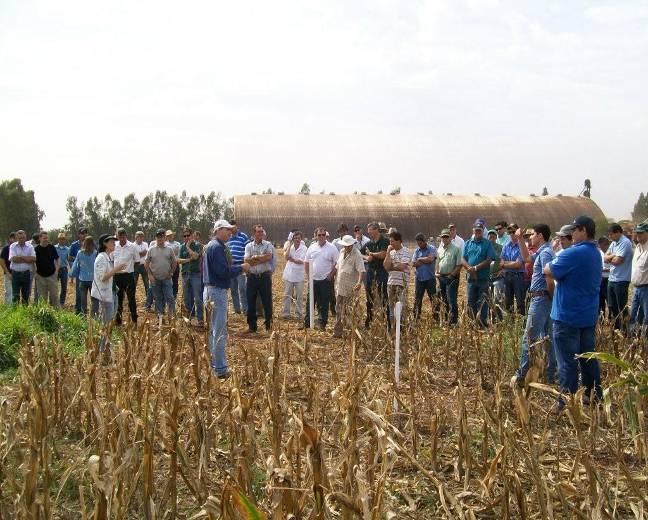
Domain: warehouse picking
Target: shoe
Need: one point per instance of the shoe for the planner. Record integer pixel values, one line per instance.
(226, 375)
(252, 331)
(557, 408)
(516, 382)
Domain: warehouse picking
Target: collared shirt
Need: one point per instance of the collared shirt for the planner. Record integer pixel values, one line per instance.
(126, 254)
(475, 252)
(175, 246)
(459, 242)
(161, 259)
(511, 253)
(376, 246)
(141, 248)
(541, 257)
(640, 265)
(401, 256)
(259, 249)
(193, 266)
(17, 250)
(503, 240)
(576, 297)
(449, 258)
(322, 259)
(75, 247)
(623, 271)
(83, 266)
(236, 245)
(102, 290)
(295, 272)
(218, 265)
(348, 268)
(361, 243)
(63, 252)
(425, 272)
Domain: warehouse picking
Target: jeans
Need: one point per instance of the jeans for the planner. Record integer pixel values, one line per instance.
(322, 291)
(140, 270)
(449, 288)
(193, 298)
(514, 288)
(47, 287)
(420, 288)
(617, 302)
(125, 283)
(477, 296)
(376, 288)
(8, 287)
(538, 326)
(259, 285)
(603, 296)
(163, 292)
(239, 297)
(293, 291)
(639, 309)
(85, 288)
(21, 286)
(107, 311)
(216, 298)
(77, 298)
(63, 279)
(568, 343)
(175, 277)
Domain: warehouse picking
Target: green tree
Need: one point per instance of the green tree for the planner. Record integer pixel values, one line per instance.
(305, 189)
(640, 210)
(18, 209)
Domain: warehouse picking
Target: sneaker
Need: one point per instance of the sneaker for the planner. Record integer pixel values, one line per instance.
(226, 375)
(557, 408)
(516, 382)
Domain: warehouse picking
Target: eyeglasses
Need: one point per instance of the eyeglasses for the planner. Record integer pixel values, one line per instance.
(321, 234)
(186, 236)
(498, 229)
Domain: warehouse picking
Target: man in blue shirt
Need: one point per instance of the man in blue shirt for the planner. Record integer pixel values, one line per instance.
(478, 254)
(574, 310)
(218, 271)
(538, 323)
(74, 249)
(619, 256)
(513, 269)
(236, 245)
(63, 251)
(423, 260)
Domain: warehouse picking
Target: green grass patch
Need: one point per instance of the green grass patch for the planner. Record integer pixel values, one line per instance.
(20, 324)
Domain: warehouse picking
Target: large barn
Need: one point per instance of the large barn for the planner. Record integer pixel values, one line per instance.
(409, 213)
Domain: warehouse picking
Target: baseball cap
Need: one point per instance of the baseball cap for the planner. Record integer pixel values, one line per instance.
(382, 226)
(641, 228)
(62, 235)
(585, 222)
(222, 223)
(492, 232)
(445, 232)
(478, 224)
(528, 232)
(565, 231)
(160, 232)
(169, 232)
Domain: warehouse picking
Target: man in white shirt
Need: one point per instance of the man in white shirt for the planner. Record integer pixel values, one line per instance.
(125, 253)
(140, 270)
(22, 258)
(293, 276)
(456, 239)
(321, 257)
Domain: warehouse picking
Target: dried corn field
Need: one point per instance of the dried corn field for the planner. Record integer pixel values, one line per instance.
(311, 427)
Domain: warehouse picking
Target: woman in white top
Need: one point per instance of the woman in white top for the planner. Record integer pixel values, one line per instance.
(293, 275)
(102, 285)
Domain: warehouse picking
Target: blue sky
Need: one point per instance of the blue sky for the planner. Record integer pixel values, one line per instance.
(464, 96)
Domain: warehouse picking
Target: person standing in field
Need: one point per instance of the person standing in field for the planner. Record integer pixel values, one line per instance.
(140, 270)
(258, 254)
(574, 311)
(218, 272)
(22, 257)
(397, 264)
(456, 239)
(47, 266)
(604, 245)
(236, 245)
(478, 254)
(423, 260)
(175, 246)
(349, 273)
(619, 256)
(83, 271)
(321, 258)
(6, 269)
(293, 276)
(374, 253)
(161, 264)
(639, 305)
(447, 271)
(513, 267)
(190, 259)
(75, 247)
(63, 251)
(125, 252)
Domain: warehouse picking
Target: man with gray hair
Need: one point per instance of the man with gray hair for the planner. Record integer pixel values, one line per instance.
(22, 257)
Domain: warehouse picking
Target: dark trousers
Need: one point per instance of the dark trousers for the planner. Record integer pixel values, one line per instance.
(514, 288)
(175, 277)
(376, 287)
(420, 288)
(21, 286)
(618, 302)
(259, 285)
(63, 278)
(477, 296)
(125, 283)
(322, 292)
(603, 296)
(449, 287)
(140, 270)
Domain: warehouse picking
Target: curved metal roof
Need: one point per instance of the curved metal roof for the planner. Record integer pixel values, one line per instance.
(411, 214)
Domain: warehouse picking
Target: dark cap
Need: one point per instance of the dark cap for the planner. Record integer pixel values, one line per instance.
(105, 237)
(160, 233)
(420, 236)
(586, 223)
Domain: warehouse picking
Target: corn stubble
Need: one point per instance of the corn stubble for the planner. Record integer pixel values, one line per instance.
(310, 428)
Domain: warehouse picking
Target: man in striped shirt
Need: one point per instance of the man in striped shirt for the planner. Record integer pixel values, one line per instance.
(236, 245)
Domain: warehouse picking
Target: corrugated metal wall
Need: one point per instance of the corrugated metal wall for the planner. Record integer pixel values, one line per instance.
(409, 213)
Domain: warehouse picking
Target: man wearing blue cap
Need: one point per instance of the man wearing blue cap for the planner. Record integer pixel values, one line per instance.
(478, 254)
(574, 310)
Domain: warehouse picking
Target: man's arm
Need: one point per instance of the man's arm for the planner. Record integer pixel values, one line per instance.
(387, 260)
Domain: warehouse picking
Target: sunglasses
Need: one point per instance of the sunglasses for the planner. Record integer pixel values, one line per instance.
(321, 234)
(186, 236)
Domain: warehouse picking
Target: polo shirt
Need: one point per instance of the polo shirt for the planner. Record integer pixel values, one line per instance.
(623, 271)
(449, 258)
(425, 272)
(126, 254)
(193, 266)
(541, 257)
(322, 258)
(45, 260)
(376, 246)
(503, 240)
(640, 265)
(400, 256)
(63, 252)
(160, 259)
(511, 253)
(17, 250)
(476, 252)
(576, 297)
(236, 245)
(259, 249)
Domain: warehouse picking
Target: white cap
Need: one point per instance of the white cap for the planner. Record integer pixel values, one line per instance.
(222, 223)
(347, 240)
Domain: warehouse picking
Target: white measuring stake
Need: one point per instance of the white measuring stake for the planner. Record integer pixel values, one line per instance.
(397, 320)
(311, 295)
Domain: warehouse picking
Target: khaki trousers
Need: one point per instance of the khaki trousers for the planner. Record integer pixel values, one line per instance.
(47, 288)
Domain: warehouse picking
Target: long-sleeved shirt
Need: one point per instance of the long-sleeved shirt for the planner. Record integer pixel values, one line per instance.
(83, 266)
(217, 265)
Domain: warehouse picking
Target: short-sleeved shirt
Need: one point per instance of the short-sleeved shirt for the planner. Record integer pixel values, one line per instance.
(495, 266)
(503, 240)
(348, 269)
(511, 253)
(160, 261)
(46, 257)
(425, 272)
(126, 254)
(623, 271)
(236, 245)
(402, 256)
(449, 257)
(175, 246)
(459, 242)
(63, 252)
(376, 246)
(5, 256)
(142, 247)
(359, 244)
(475, 252)
(576, 297)
(322, 258)
(193, 266)
(640, 265)
(540, 258)
(17, 250)
(259, 249)
(295, 272)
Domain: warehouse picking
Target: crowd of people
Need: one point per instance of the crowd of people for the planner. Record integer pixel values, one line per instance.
(563, 281)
